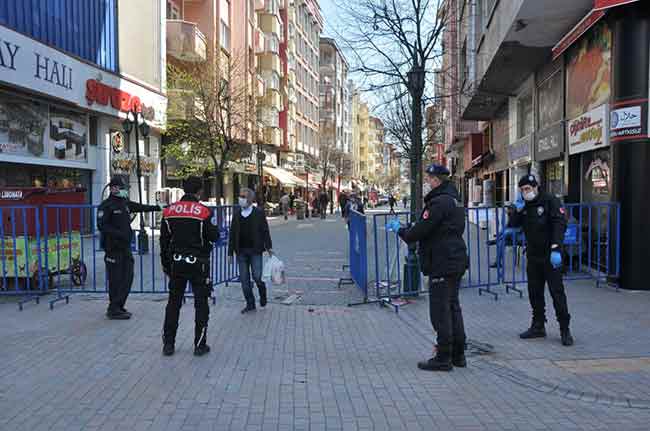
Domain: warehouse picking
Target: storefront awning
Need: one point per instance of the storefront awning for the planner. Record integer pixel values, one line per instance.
(581, 28)
(285, 177)
(606, 4)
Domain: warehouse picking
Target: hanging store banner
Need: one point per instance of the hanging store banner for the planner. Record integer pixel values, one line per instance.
(588, 71)
(589, 131)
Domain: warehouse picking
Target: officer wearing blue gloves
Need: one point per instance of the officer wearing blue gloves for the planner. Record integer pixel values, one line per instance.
(543, 220)
(443, 257)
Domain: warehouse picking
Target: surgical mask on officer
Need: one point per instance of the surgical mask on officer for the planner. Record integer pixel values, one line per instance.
(426, 188)
(123, 193)
(529, 193)
(243, 202)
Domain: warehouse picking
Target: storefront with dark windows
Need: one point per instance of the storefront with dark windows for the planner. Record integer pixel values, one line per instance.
(549, 139)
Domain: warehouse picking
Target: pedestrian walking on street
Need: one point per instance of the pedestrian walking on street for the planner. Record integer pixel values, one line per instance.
(249, 239)
(284, 205)
(405, 201)
(343, 201)
(323, 200)
(544, 222)
(391, 202)
(443, 257)
(292, 200)
(187, 232)
(114, 225)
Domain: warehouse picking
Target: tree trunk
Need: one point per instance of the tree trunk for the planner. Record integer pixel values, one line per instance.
(416, 152)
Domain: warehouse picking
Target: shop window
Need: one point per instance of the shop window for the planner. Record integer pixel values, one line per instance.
(554, 175)
(549, 101)
(525, 115)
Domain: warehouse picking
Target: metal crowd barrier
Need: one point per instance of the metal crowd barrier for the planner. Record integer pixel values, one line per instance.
(497, 254)
(358, 253)
(56, 249)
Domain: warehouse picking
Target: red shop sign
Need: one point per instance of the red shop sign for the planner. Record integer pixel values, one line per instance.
(96, 92)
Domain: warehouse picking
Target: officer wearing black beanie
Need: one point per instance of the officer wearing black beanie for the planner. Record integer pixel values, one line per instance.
(543, 220)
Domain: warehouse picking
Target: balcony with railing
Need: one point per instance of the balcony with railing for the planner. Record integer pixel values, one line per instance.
(182, 105)
(185, 41)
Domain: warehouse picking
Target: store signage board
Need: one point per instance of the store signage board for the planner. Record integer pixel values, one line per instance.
(589, 131)
(629, 120)
(549, 143)
(34, 66)
(519, 151)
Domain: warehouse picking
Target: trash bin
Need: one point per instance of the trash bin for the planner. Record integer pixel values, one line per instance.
(300, 209)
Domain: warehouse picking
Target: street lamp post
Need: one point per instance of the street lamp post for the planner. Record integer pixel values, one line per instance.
(132, 122)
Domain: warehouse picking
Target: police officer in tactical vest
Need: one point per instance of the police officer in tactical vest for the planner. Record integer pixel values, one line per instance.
(543, 220)
(187, 232)
(443, 257)
(114, 224)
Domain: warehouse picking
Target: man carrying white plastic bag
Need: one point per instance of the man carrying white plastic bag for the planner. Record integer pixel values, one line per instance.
(274, 271)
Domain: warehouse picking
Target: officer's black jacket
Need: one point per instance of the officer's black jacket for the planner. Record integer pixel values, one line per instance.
(439, 233)
(544, 222)
(187, 228)
(114, 222)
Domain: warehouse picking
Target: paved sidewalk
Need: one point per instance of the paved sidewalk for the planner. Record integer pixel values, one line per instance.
(323, 367)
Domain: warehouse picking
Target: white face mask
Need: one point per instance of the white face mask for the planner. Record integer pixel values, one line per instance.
(243, 202)
(530, 196)
(123, 193)
(426, 189)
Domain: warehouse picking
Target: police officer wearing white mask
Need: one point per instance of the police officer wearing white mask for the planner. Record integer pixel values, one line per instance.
(543, 220)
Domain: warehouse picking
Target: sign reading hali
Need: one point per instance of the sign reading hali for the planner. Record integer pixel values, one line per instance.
(29, 64)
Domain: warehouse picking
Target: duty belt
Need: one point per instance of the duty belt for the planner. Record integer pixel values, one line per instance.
(188, 259)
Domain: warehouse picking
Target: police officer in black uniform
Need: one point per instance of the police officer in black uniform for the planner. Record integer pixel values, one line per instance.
(186, 235)
(443, 257)
(543, 220)
(114, 224)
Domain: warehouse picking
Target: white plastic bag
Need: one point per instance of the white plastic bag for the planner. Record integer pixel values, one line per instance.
(275, 269)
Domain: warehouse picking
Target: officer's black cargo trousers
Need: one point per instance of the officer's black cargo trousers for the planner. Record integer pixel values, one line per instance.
(541, 272)
(119, 271)
(445, 312)
(201, 291)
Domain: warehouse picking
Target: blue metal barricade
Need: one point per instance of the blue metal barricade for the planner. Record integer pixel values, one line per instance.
(358, 247)
(497, 253)
(20, 256)
(56, 249)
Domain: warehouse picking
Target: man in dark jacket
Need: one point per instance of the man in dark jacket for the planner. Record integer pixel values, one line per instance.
(543, 220)
(114, 224)
(187, 232)
(249, 239)
(323, 200)
(443, 257)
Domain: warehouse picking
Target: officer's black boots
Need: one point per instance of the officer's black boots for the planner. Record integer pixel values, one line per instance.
(567, 338)
(118, 315)
(440, 362)
(201, 349)
(458, 356)
(247, 309)
(168, 349)
(536, 330)
(263, 298)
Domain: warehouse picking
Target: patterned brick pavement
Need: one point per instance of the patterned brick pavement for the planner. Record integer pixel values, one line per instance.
(331, 368)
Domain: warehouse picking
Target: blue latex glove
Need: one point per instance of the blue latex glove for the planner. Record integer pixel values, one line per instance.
(393, 225)
(520, 204)
(556, 259)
